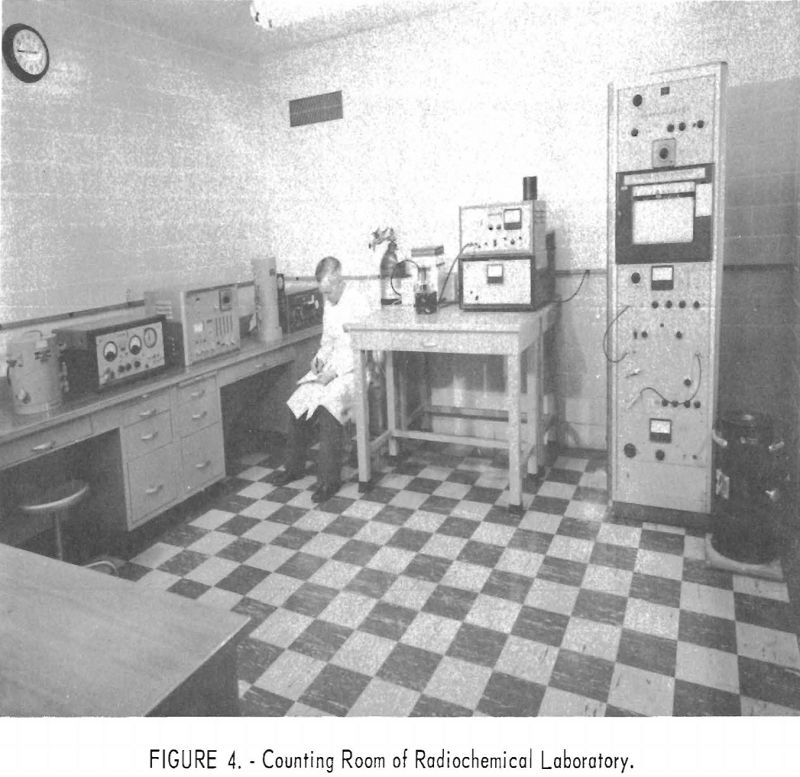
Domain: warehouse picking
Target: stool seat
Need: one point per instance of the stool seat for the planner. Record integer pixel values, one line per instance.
(55, 502)
(59, 497)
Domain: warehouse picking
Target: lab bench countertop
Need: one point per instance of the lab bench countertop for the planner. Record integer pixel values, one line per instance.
(14, 425)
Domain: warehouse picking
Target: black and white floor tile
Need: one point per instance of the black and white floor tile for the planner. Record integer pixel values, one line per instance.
(426, 597)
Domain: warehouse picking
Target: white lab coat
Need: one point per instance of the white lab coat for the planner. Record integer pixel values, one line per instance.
(336, 353)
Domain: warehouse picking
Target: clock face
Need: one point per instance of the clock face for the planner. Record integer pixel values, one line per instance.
(25, 52)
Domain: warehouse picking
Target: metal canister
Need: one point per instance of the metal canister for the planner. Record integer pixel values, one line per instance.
(529, 188)
(34, 373)
(750, 471)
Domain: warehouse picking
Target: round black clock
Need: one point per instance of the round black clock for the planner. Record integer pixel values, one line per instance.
(25, 52)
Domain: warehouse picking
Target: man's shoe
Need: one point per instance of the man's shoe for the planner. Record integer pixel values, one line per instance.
(284, 477)
(323, 493)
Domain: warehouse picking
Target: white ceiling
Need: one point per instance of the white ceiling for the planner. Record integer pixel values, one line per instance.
(227, 25)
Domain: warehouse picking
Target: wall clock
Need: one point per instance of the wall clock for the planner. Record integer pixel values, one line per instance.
(25, 52)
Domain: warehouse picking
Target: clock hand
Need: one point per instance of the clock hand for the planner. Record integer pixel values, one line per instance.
(26, 51)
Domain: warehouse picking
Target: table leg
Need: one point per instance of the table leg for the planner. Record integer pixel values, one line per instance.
(425, 381)
(513, 390)
(361, 404)
(534, 407)
(402, 392)
(391, 404)
(541, 455)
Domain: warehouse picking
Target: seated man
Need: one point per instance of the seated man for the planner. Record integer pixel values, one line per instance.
(325, 394)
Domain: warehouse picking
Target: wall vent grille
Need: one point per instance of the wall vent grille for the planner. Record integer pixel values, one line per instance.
(320, 107)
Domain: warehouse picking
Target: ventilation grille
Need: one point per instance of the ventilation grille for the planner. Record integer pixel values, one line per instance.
(163, 307)
(310, 110)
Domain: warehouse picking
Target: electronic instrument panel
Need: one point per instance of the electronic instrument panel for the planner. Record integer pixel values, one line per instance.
(513, 227)
(666, 165)
(199, 323)
(111, 352)
(505, 262)
(300, 305)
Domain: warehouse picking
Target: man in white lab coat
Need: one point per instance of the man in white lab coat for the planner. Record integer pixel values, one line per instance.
(325, 393)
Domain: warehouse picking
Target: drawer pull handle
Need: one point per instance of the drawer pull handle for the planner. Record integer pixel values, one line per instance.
(429, 344)
(147, 413)
(198, 416)
(45, 446)
(198, 394)
(148, 437)
(202, 464)
(154, 489)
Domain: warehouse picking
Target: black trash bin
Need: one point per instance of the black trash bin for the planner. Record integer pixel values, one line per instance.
(749, 469)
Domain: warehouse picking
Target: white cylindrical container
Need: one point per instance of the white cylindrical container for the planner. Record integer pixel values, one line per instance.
(265, 278)
(33, 372)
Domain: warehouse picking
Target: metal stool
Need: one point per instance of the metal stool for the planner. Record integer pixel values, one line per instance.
(56, 502)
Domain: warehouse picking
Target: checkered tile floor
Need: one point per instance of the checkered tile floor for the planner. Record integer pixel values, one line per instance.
(425, 597)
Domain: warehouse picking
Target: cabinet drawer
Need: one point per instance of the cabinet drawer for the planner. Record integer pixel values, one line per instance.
(147, 435)
(198, 406)
(244, 369)
(438, 342)
(147, 406)
(152, 484)
(43, 442)
(203, 458)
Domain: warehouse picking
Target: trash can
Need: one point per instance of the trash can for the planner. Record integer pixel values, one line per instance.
(749, 468)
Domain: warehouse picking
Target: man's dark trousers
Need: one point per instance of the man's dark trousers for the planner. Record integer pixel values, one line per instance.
(301, 433)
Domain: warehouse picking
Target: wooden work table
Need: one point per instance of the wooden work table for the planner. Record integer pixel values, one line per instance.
(79, 643)
(511, 335)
